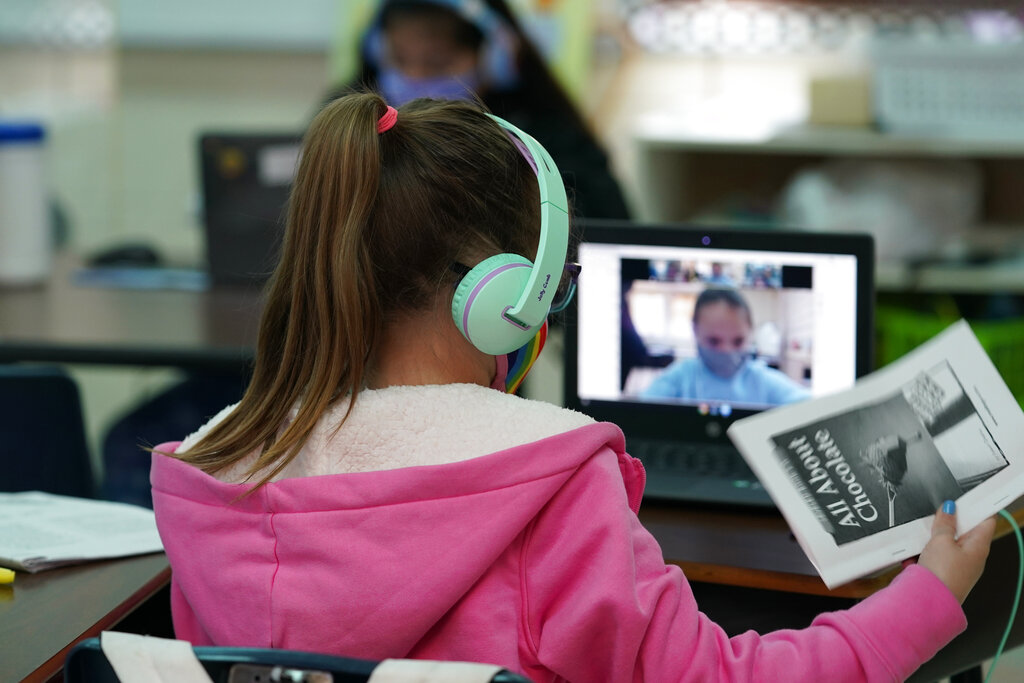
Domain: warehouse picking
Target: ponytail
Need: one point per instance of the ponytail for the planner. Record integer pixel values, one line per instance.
(323, 284)
(374, 223)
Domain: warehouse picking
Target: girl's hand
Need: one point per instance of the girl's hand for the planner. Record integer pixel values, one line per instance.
(958, 562)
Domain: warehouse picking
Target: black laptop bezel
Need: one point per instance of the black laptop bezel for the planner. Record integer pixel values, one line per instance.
(668, 421)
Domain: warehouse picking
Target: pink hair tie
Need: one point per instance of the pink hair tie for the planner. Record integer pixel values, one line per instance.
(385, 123)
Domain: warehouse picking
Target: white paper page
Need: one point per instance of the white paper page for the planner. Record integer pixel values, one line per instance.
(39, 530)
(859, 474)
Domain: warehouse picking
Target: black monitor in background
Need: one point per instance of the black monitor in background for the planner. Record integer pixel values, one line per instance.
(44, 445)
(246, 180)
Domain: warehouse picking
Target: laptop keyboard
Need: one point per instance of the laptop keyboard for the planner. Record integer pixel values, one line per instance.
(713, 473)
(699, 460)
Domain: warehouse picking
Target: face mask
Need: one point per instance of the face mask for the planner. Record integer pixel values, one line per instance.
(398, 88)
(512, 367)
(722, 363)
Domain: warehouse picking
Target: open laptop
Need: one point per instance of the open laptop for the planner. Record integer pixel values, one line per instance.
(246, 179)
(631, 332)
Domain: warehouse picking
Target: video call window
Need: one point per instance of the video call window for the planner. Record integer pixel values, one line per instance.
(750, 344)
(714, 329)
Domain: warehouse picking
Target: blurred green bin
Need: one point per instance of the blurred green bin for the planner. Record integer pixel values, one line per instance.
(898, 331)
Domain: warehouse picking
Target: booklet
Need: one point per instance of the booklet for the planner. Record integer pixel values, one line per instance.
(859, 474)
(42, 530)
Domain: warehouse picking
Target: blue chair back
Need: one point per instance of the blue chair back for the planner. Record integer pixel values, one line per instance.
(43, 446)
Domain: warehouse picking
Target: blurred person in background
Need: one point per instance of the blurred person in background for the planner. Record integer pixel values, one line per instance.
(476, 49)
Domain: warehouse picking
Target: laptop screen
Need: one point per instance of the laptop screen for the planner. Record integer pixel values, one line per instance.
(705, 326)
(246, 180)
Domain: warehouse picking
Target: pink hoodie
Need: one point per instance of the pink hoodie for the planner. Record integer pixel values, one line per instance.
(459, 523)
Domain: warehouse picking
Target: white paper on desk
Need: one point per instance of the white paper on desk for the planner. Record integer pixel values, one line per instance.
(859, 474)
(42, 530)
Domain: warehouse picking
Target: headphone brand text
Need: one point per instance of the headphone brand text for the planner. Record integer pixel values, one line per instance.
(544, 287)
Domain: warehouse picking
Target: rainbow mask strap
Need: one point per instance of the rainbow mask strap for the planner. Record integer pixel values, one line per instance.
(523, 358)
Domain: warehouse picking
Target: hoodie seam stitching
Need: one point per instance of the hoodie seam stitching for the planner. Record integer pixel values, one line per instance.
(432, 499)
(525, 593)
(273, 581)
(219, 504)
(266, 508)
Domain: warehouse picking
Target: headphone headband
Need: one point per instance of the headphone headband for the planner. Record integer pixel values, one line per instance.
(503, 300)
(532, 307)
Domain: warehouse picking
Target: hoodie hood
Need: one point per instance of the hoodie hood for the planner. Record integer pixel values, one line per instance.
(380, 535)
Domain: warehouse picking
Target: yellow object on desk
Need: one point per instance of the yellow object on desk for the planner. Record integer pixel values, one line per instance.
(6, 575)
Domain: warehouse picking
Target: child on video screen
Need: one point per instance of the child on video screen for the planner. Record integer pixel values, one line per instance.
(724, 369)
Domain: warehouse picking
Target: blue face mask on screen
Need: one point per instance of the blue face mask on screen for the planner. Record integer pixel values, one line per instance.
(722, 363)
(398, 88)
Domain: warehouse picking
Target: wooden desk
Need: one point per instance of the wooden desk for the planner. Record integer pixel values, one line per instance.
(61, 322)
(737, 548)
(754, 549)
(43, 615)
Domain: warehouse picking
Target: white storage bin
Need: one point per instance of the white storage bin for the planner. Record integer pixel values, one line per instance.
(25, 241)
(952, 89)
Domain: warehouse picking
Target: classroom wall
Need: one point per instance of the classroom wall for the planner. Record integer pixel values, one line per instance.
(167, 98)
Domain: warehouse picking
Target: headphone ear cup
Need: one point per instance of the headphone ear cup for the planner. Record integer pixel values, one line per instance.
(483, 296)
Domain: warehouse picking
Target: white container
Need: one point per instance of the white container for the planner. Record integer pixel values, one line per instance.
(26, 245)
(951, 89)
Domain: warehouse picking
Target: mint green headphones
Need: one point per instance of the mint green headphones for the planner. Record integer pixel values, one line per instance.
(500, 304)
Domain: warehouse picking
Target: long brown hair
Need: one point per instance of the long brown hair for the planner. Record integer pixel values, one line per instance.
(375, 222)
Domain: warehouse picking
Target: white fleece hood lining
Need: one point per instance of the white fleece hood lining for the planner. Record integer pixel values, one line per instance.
(412, 426)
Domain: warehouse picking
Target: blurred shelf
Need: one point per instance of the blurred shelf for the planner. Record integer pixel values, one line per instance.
(665, 132)
(1005, 277)
(688, 168)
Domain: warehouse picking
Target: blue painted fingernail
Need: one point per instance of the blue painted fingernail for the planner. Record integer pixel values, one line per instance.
(949, 507)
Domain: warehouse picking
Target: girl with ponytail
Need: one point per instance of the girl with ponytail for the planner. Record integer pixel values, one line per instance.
(377, 493)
